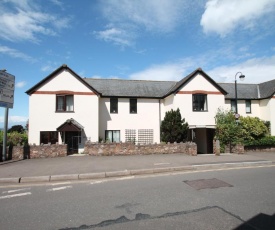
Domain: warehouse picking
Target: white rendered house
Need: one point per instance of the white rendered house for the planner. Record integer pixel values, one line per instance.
(66, 108)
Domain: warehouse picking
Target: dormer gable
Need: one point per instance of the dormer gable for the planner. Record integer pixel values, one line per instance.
(197, 82)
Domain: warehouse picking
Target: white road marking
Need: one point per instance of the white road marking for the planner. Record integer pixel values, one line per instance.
(15, 195)
(58, 188)
(161, 163)
(17, 190)
(97, 182)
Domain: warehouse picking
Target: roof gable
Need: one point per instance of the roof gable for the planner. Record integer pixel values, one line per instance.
(54, 74)
(189, 77)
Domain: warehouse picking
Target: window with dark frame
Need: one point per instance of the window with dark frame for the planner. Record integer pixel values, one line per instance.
(112, 135)
(248, 106)
(133, 105)
(47, 137)
(233, 106)
(113, 105)
(199, 102)
(64, 103)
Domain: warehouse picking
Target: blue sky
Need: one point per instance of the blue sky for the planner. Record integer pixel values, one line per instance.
(134, 39)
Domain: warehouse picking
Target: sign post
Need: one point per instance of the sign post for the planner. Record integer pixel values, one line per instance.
(7, 82)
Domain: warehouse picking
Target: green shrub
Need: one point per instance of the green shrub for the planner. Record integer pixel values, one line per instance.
(14, 138)
(265, 141)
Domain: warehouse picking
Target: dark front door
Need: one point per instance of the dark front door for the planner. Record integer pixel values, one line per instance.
(210, 137)
(72, 140)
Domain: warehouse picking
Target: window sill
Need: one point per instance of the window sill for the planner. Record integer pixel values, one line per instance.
(200, 110)
(64, 111)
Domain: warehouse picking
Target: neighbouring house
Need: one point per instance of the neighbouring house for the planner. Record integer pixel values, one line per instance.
(67, 108)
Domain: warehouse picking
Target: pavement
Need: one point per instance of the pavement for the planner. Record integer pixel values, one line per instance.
(80, 167)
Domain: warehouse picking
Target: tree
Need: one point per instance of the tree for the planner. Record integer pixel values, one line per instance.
(173, 128)
(16, 128)
(228, 131)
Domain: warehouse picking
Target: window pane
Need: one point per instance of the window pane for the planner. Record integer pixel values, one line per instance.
(133, 105)
(116, 136)
(199, 102)
(113, 105)
(233, 106)
(109, 135)
(60, 103)
(69, 103)
(248, 106)
(48, 137)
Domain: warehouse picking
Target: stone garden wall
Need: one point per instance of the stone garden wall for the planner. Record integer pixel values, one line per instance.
(38, 151)
(108, 149)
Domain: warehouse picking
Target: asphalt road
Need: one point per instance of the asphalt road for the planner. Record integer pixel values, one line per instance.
(180, 201)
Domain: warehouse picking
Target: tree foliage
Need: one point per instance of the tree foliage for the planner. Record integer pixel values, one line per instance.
(253, 128)
(16, 128)
(249, 130)
(173, 128)
(228, 131)
(14, 138)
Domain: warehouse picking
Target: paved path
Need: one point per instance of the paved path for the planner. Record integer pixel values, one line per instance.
(75, 165)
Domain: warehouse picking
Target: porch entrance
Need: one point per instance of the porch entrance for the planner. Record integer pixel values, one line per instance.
(72, 139)
(203, 137)
(70, 132)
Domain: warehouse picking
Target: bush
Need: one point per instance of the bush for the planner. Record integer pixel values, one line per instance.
(253, 128)
(14, 138)
(173, 128)
(265, 141)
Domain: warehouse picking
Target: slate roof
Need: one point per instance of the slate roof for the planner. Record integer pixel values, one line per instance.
(130, 88)
(161, 89)
(244, 91)
(250, 91)
(267, 89)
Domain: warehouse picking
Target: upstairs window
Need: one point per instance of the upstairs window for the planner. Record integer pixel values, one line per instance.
(133, 105)
(247, 106)
(64, 103)
(199, 102)
(113, 105)
(233, 106)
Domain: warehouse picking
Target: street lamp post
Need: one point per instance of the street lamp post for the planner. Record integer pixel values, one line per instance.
(236, 94)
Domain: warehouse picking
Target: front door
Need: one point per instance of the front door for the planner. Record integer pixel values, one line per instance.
(72, 140)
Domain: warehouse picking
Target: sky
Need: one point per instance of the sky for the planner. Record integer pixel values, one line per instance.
(134, 39)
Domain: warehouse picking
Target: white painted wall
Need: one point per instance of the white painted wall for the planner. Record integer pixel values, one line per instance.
(272, 115)
(43, 115)
(184, 103)
(147, 117)
(64, 81)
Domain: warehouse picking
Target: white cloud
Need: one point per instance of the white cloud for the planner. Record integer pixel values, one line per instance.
(14, 119)
(256, 70)
(20, 84)
(223, 16)
(15, 53)
(57, 2)
(165, 72)
(23, 20)
(116, 35)
(130, 18)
